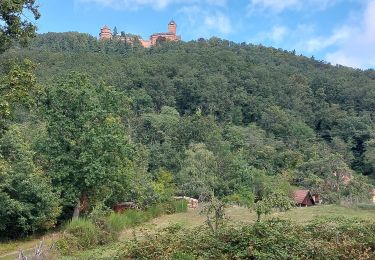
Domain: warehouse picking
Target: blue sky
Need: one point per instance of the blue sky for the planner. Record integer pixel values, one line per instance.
(338, 31)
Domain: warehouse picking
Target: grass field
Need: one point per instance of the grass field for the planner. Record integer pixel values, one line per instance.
(9, 250)
(193, 218)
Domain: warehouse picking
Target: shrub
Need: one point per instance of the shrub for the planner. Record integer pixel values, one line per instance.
(181, 206)
(85, 231)
(79, 234)
(175, 206)
(100, 229)
(115, 222)
(272, 239)
(156, 210)
(366, 206)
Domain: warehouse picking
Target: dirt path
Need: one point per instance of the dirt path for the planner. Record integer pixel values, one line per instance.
(11, 250)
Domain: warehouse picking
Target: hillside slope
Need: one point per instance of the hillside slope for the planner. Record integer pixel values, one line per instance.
(213, 115)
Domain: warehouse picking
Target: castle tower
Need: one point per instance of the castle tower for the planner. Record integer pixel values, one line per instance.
(105, 33)
(172, 26)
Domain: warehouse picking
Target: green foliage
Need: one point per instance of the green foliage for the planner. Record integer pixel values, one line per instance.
(17, 87)
(199, 172)
(243, 198)
(274, 200)
(175, 206)
(190, 118)
(85, 231)
(86, 147)
(102, 227)
(164, 187)
(273, 239)
(215, 214)
(16, 27)
(27, 202)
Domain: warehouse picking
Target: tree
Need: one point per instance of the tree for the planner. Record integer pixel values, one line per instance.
(328, 175)
(369, 156)
(163, 186)
(16, 89)
(115, 33)
(27, 202)
(274, 200)
(198, 175)
(215, 213)
(16, 27)
(86, 148)
(160, 40)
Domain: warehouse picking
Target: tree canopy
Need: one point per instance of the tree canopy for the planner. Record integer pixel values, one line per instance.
(113, 122)
(18, 26)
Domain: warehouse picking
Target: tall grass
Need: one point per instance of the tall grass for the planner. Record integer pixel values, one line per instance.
(180, 206)
(85, 230)
(79, 234)
(83, 233)
(117, 222)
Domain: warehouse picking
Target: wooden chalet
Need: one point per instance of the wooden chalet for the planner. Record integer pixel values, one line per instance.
(121, 207)
(303, 198)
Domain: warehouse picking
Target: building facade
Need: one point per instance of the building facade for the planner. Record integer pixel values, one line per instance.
(171, 35)
(105, 33)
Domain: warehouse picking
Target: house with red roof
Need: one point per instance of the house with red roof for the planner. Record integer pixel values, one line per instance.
(303, 198)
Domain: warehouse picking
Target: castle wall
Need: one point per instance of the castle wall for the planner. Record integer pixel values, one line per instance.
(106, 34)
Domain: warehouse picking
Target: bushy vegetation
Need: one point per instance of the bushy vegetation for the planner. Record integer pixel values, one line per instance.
(273, 239)
(103, 227)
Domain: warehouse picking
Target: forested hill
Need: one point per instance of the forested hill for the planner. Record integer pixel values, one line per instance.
(211, 114)
(293, 99)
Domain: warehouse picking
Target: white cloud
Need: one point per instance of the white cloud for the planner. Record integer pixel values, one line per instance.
(218, 22)
(201, 22)
(275, 35)
(273, 5)
(278, 6)
(358, 49)
(320, 43)
(155, 4)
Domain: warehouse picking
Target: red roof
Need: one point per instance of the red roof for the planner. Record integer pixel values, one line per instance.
(300, 195)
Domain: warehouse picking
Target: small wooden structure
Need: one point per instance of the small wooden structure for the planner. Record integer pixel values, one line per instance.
(121, 207)
(303, 198)
(373, 196)
(192, 203)
(316, 198)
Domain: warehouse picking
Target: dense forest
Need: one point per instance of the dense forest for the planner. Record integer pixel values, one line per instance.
(87, 123)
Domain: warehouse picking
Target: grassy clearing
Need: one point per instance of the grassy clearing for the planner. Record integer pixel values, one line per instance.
(193, 218)
(304, 215)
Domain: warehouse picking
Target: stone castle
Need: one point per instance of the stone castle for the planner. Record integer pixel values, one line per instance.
(106, 34)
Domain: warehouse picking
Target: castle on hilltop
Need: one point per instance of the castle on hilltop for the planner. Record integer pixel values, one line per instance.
(106, 34)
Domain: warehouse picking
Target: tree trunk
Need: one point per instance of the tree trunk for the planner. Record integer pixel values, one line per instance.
(76, 210)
